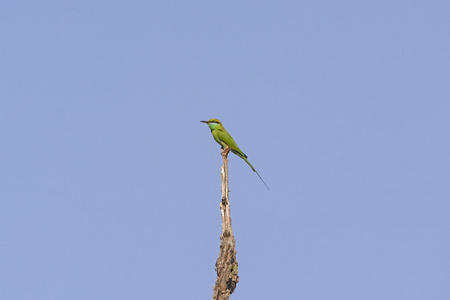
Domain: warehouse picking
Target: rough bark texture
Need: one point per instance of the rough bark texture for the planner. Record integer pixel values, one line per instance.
(226, 264)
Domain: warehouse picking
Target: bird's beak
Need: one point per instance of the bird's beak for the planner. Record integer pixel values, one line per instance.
(204, 122)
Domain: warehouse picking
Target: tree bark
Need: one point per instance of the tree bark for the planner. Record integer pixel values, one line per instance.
(226, 264)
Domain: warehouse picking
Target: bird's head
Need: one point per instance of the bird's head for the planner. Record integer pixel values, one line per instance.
(212, 123)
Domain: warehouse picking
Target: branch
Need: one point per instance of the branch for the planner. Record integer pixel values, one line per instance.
(226, 264)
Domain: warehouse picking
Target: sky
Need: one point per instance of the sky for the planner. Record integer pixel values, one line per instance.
(110, 185)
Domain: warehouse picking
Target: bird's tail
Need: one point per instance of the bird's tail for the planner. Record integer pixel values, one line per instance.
(254, 170)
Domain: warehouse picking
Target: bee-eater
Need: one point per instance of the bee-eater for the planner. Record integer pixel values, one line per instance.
(224, 139)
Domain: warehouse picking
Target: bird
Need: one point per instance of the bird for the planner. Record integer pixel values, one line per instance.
(224, 139)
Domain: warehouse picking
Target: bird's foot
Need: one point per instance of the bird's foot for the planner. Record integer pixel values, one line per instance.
(226, 151)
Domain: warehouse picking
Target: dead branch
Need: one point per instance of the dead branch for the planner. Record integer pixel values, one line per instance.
(226, 264)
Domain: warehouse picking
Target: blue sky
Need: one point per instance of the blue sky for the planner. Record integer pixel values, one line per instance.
(111, 186)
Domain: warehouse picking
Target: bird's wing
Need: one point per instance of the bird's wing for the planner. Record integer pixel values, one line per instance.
(226, 138)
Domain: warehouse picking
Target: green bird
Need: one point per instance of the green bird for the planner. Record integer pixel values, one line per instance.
(224, 139)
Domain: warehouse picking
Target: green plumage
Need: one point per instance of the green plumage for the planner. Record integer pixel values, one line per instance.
(224, 139)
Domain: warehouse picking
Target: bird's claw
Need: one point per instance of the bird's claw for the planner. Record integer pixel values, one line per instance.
(226, 150)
